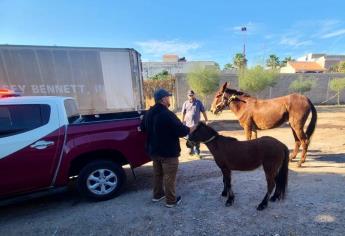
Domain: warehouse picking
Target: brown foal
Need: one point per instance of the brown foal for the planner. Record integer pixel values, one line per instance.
(231, 154)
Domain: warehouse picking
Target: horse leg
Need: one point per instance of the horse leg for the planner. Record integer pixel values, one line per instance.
(227, 191)
(297, 145)
(270, 186)
(225, 182)
(277, 192)
(255, 133)
(231, 196)
(248, 132)
(304, 142)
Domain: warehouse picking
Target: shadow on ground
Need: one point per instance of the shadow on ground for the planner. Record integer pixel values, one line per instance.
(228, 125)
(336, 158)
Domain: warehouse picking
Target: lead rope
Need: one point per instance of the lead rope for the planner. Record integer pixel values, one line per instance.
(210, 139)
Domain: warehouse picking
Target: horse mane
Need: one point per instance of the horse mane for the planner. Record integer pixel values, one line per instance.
(202, 124)
(213, 131)
(239, 93)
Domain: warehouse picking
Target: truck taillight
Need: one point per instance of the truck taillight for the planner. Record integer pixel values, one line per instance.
(8, 93)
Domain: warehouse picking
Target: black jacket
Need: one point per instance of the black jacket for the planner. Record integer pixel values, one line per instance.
(163, 130)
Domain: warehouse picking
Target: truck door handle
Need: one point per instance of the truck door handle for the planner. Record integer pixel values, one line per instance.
(42, 144)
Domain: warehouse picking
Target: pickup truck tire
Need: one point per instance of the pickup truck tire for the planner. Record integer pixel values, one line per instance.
(101, 180)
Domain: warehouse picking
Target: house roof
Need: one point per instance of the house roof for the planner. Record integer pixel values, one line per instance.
(170, 55)
(301, 66)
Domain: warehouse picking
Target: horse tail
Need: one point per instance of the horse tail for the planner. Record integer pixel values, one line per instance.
(312, 124)
(282, 176)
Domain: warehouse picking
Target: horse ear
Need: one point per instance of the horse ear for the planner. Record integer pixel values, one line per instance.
(225, 85)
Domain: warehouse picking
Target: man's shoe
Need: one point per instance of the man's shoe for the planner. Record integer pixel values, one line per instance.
(178, 201)
(158, 199)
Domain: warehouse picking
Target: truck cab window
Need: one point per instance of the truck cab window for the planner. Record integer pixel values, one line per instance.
(71, 111)
(16, 119)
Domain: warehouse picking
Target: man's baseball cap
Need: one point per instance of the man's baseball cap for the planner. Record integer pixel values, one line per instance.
(190, 92)
(161, 93)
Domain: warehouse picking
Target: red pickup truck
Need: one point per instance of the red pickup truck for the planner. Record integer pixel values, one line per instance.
(44, 143)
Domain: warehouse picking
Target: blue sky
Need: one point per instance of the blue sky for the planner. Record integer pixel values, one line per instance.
(198, 30)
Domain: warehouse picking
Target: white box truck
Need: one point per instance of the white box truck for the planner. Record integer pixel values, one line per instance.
(103, 80)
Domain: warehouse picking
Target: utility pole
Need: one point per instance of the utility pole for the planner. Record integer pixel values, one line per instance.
(244, 30)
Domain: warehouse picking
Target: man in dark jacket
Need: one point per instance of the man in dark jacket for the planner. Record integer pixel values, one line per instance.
(163, 130)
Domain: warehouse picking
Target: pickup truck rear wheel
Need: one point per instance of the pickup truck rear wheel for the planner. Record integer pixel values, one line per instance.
(101, 180)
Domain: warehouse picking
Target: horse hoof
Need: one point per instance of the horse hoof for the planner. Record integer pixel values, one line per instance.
(229, 202)
(261, 207)
(299, 164)
(224, 194)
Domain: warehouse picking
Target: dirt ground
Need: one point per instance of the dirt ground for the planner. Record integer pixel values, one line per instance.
(315, 202)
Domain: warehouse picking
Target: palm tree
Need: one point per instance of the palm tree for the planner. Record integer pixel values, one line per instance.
(272, 61)
(239, 60)
(286, 59)
(228, 66)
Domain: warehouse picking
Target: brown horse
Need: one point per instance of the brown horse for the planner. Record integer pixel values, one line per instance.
(254, 114)
(230, 154)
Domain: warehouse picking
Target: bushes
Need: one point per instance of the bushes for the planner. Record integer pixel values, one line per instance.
(204, 81)
(301, 85)
(337, 85)
(257, 79)
(151, 85)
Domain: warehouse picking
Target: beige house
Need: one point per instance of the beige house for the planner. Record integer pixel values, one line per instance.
(302, 67)
(324, 60)
(170, 58)
(330, 60)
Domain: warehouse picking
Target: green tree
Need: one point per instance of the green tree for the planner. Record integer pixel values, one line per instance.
(228, 66)
(341, 67)
(334, 68)
(161, 76)
(301, 85)
(239, 61)
(257, 79)
(203, 81)
(337, 85)
(286, 59)
(273, 61)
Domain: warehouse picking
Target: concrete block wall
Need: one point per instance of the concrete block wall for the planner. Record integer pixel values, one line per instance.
(319, 93)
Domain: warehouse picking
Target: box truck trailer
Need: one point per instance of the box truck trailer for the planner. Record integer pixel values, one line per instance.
(102, 80)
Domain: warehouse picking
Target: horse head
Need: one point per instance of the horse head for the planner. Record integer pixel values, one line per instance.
(224, 97)
(217, 100)
(202, 133)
